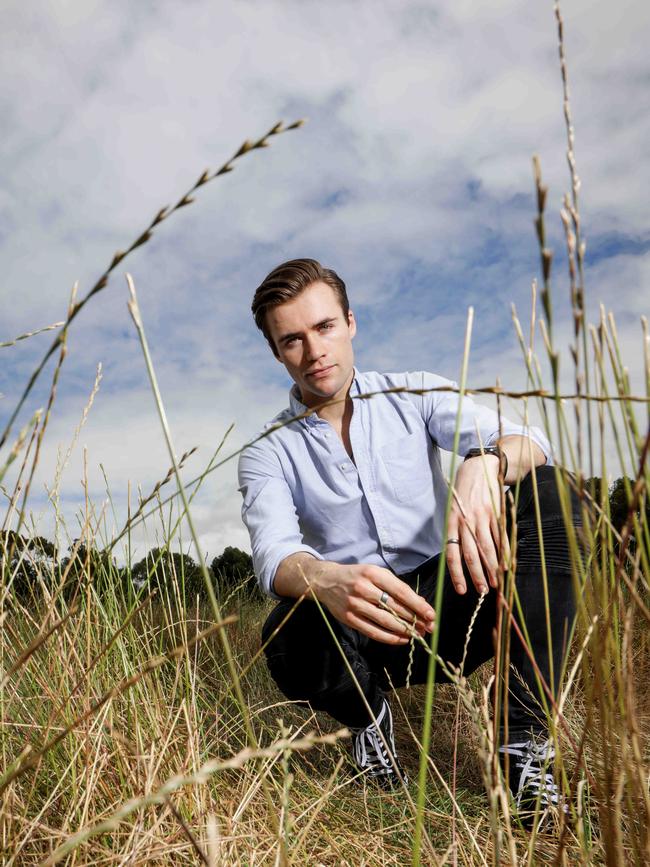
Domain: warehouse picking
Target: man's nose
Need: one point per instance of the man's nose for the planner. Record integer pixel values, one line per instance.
(314, 347)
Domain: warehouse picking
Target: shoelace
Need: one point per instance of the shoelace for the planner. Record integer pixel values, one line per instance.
(536, 782)
(368, 747)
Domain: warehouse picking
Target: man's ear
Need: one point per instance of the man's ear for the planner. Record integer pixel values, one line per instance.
(352, 323)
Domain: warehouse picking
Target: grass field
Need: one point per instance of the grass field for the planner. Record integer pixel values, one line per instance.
(143, 728)
(124, 742)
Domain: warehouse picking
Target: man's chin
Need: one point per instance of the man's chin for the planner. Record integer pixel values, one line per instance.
(321, 394)
(313, 393)
(324, 388)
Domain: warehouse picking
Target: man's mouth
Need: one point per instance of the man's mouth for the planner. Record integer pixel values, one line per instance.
(322, 371)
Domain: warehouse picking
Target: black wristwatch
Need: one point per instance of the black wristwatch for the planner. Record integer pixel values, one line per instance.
(490, 450)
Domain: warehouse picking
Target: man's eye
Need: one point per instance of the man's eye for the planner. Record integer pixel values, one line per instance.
(326, 326)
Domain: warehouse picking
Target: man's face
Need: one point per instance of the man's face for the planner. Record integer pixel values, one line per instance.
(314, 342)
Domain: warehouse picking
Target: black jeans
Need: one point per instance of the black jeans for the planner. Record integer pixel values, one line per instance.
(307, 665)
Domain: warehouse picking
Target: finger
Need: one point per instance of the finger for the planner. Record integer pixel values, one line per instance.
(367, 597)
(453, 554)
(402, 615)
(372, 630)
(502, 542)
(387, 620)
(488, 551)
(472, 559)
(405, 596)
(392, 604)
(455, 566)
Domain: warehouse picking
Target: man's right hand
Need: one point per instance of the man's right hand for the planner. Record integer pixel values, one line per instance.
(352, 593)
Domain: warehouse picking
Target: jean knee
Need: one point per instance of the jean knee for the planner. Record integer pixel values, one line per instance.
(546, 492)
(554, 544)
(301, 655)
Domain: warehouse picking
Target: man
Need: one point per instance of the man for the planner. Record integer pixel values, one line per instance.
(346, 504)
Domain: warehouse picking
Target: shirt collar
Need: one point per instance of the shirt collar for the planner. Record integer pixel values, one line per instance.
(297, 407)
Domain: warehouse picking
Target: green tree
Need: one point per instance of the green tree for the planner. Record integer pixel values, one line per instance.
(27, 562)
(619, 507)
(234, 568)
(618, 502)
(160, 567)
(88, 564)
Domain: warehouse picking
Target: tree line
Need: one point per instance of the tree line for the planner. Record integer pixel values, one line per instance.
(30, 562)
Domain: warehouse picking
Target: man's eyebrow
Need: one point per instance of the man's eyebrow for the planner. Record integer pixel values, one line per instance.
(284, 337)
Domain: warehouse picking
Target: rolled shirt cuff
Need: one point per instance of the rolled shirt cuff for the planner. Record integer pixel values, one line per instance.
(266, 575)
(534, 433)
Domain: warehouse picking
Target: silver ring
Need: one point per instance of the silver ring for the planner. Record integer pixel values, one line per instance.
(384, 598)
(453, 541)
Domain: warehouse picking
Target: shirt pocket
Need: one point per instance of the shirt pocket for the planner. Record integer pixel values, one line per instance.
(407, 463)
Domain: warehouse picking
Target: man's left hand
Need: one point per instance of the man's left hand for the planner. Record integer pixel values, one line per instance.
(474, 522)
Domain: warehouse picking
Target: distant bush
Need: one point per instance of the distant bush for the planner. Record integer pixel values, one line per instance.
(89, 564)
(160, 567)
(234, 568)
(619, 504)
(618, 496)
(27, 563)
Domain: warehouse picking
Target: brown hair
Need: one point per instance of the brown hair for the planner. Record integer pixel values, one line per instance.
(287, 281)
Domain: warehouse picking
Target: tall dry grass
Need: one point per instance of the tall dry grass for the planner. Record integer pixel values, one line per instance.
(142, 728)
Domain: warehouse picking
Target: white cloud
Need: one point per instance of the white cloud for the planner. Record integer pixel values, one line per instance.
(412, 178)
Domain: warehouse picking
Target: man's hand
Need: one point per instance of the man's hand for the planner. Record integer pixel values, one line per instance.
(353, 594)
(475, 513)
(474, 522)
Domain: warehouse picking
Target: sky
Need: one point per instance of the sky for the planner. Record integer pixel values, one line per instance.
(412, 178)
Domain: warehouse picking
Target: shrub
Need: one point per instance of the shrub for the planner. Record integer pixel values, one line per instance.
(234, 568)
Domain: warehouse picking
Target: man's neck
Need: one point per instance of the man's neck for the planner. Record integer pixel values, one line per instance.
(335, 413)
(339, 415)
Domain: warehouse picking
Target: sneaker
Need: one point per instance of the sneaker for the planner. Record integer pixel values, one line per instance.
(370, 753)
(531, 781)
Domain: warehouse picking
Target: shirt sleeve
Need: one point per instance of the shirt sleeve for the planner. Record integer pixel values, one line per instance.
(269, 513)
(479, 425)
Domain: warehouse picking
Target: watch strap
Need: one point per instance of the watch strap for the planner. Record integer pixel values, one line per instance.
(490, 450)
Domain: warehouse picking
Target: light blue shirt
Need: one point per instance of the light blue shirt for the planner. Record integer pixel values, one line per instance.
(302, 492)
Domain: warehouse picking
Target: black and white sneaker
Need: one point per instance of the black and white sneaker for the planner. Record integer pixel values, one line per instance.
(530, 778)
(370, 753)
